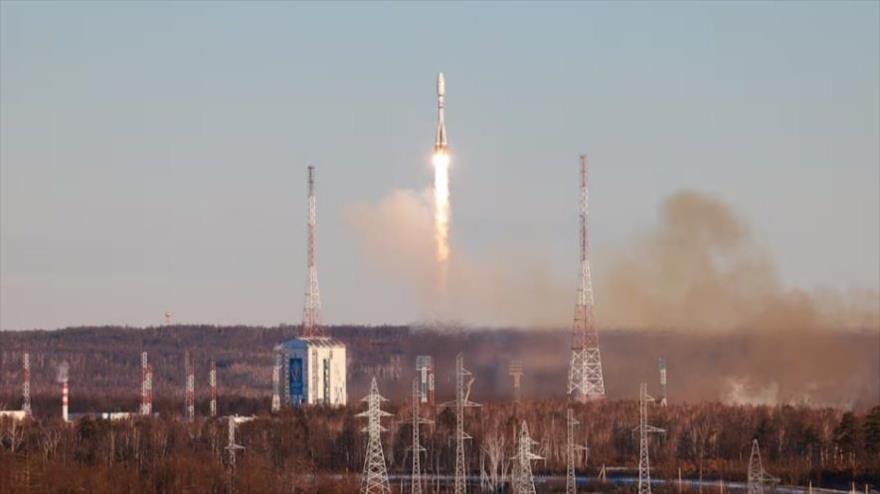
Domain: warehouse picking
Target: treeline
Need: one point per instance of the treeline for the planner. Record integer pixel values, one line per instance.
(321, 449)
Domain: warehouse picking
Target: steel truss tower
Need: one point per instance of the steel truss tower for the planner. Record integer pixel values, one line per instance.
(375, 476)
(757, 475)
(146, 386)
(644, 429)
(276, 382)
(26, 385)
(523, 481)
(463, 382)
(190, 386)
(585, 379)
(312, 308)
(416, 447)
(572, 450)
(212, 381)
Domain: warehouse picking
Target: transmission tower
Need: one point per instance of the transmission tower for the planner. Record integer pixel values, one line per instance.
(26, 385)
(146, 386)
(463, 382)
(375, 476)
(312, 308)
(516, 372)
(416, 447)
(276, 382)
(212, 379)
(585, 379)
(190, 386)
(644, 429)
(523, 481)
(757, 475)
(572, 450)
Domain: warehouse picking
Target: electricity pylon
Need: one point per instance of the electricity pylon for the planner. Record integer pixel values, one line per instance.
(757, 475)
(644, 429)
(463, 382)
(417, 448)
(375, 476)
(523, 481)
(572, 450)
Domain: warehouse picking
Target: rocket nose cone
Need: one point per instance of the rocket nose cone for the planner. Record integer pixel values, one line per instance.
(441, 84)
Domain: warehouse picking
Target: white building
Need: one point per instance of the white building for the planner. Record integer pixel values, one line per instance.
(313, 371)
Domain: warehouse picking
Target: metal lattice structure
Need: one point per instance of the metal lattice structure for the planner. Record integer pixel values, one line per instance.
(212, 381)
(276, 382)
(644, 429)
(231, 446)
(463, 382)
(375, 476)
(190, 386)
(523, 482)
(661, 367)
(312, 308)
(757, 475)
(516, 372)
(417, 449)
(26, 385)
(585, 379)
(572, 450)
(146, 386)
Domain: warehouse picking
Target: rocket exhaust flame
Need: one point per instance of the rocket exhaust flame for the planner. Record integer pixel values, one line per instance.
(440, 161)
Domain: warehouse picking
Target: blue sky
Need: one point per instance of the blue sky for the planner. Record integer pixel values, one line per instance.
(152, 155)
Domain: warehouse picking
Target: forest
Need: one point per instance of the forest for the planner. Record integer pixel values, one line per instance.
(816, 423)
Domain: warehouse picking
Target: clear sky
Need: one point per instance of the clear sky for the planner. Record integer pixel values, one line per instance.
(152, 155)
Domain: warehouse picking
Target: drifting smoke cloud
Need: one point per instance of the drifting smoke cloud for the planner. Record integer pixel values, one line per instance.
(701, 269)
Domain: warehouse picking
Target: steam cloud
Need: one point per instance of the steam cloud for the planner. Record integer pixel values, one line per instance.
(63, 368)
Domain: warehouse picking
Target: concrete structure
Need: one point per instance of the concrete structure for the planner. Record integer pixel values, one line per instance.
(314, 371)
(425, 370)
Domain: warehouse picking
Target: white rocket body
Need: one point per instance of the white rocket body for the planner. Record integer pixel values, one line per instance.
(440, 140)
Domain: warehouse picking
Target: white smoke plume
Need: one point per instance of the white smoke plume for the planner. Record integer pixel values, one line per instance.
(62, 372)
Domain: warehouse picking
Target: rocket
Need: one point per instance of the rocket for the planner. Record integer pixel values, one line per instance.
(440, 141)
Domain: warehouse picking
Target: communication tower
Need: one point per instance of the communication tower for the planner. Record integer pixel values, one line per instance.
(644, 429)
(585, 379)
(312, 308)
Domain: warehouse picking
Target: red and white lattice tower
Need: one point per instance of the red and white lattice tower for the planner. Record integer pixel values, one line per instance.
(312, 308)
(190, 387)
(26, 385)
(146, 386)
(212, 380)
(585, 379)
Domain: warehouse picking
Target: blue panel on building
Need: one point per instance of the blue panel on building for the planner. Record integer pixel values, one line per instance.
(296, 379)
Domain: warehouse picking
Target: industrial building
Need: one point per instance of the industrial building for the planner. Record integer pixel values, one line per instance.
(313, 371)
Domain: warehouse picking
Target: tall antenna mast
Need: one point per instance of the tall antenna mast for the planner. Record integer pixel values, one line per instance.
(644, 429)
(312, 308)
(375, 477)
(585, 379)
(463, 382)
(212, 381)
(26, 385)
